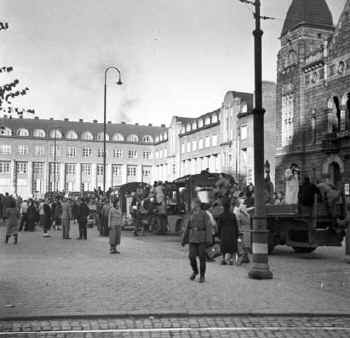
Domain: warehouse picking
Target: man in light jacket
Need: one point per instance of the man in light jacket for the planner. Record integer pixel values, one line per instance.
(66, 218)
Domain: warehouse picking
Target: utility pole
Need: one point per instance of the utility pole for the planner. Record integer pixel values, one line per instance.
(55, 164)
(119, 82)
(260, 268)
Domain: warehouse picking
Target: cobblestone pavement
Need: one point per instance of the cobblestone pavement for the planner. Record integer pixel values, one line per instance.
(226, 326)
(49, 277)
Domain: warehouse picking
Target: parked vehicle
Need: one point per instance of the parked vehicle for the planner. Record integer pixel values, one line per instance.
(181, 192)
(303, 230)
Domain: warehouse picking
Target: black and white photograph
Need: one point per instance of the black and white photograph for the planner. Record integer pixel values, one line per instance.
(175, 168)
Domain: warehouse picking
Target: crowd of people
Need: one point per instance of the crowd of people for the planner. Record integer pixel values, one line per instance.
(49, 213)
(218, 226)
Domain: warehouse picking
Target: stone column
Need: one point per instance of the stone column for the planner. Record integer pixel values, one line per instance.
(139, 173)
(13, 179)
(46, 176)
(77, 183)
(108, 176)
(30, 179)
(61, 177)
(93, 176)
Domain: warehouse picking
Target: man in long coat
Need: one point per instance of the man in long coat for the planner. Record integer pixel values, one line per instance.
(66, 218)
(198, 234)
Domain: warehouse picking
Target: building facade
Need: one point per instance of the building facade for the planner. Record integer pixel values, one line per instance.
(313, 93)
(40, 155)
(237, 132)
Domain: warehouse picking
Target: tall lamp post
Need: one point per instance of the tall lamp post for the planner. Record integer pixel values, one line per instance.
(260, 268)
(119, 82)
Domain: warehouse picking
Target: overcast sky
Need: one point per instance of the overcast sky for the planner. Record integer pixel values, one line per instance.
(176, 57)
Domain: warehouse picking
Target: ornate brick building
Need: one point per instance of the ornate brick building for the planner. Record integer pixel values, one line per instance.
(313, 93)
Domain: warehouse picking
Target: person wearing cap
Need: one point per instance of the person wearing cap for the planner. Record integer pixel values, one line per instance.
(198, 234)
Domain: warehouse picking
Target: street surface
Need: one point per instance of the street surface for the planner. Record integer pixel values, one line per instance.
(224, 326)
(47, 278)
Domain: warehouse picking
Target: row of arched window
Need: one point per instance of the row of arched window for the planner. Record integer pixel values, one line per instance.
(339, 113)
(72, 135)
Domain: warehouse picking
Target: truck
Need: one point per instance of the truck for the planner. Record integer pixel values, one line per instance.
(305, 229)
(181, 191)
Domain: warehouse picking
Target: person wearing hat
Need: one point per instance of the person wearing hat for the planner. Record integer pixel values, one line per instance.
(198, 234)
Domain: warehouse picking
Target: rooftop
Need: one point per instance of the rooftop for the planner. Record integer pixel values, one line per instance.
(312, 13)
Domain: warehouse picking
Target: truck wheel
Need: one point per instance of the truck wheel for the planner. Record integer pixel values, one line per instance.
(298, 249)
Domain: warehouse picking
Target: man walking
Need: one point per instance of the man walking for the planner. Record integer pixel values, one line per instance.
(83, 213)
(198, 234)
(66, 218)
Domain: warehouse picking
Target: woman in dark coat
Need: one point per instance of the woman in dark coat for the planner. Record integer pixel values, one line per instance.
(228, 232)
(32, 216)
(12, 222)
(47, 219)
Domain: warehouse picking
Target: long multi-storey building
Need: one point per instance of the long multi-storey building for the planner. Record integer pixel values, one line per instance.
(40, 155)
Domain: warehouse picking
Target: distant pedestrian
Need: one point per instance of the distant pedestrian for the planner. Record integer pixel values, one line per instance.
(307, 194)
(7, 201)
(114, 226)
(66, 218)
(32, 216)
(12, 222)
(104, 218)
(83, 213)
(23, 213)
(198, 234)
(75, 211)
(46, 218)
(57, 214)
(228, 232)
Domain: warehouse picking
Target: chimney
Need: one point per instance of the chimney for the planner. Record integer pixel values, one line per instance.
(150, 124)
(94, 121)
(5, 116)
(136, 124)
(66, 119)
(21, 116)
(109, 122)
(81, 120)
(51, 118)
(36, 118)
(123, 122)
(162, 125)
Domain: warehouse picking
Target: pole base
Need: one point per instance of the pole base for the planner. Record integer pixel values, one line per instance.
(260, 273)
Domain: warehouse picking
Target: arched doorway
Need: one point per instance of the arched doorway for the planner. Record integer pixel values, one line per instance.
(334, 171)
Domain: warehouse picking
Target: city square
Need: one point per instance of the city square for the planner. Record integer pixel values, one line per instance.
(173, 178)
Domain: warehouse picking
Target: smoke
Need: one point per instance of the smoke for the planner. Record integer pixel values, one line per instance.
(126, 108)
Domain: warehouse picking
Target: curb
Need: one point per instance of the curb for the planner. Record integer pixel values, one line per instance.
(165, 315)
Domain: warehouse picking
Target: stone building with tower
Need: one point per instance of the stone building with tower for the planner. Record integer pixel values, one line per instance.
(313, 93)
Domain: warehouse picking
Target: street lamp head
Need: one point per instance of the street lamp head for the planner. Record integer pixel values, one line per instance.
(120, 82)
